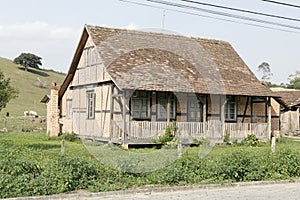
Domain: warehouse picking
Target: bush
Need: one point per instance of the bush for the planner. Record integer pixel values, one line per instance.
(69, 137)
(251, 140)
(226, 138)
(168, 136)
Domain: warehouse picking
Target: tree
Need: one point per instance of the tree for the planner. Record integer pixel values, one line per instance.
(28, 60)
(294, 80)
(264, 67)
(7, 92)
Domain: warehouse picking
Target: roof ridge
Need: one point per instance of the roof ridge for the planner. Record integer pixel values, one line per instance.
(148, 31)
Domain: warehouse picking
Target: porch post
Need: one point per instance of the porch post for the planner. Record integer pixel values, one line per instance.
(124, 117)
(168, 107)
(111, 111)
(269, 118)
(204, 113)
(204, 109)
(223, 102)
(298, 118)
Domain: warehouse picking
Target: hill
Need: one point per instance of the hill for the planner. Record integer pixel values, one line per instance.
(32, 86)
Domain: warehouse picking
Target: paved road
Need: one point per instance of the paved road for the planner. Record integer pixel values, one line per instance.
(242, 191)
(273, 192)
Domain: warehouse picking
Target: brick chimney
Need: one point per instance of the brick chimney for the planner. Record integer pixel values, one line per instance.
(53, 112)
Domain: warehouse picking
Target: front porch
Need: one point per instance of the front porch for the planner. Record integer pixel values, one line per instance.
(145, 131)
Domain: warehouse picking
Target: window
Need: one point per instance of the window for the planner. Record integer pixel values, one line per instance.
(195, 110)
(91, 105)
(90, 56)
(162, 102)
(140, 105)
(231, 108)
(69, 108)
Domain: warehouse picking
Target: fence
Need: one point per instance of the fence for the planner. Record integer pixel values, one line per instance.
(22, 124)
(144, 130)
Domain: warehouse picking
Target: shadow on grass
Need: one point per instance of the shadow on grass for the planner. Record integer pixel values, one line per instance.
(41, 146)
(35, 71)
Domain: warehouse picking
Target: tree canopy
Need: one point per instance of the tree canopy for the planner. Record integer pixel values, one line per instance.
(265, 68)
(294, 80)
(7, 92)
(28, 60)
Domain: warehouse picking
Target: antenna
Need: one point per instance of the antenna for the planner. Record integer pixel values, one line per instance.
(163, 19)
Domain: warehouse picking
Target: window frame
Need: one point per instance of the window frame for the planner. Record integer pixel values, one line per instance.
(231, 102)
(198, 101)
(159, 105)
(142, 100)
(90, 98)
(69, 110)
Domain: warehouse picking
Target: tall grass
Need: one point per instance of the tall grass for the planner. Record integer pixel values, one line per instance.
(32, 164)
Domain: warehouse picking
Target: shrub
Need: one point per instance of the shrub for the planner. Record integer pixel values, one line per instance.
(70, 137)
(251, 140)
(226, 138)
(168, 136)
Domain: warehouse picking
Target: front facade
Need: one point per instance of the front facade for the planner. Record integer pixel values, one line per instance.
(129, 85)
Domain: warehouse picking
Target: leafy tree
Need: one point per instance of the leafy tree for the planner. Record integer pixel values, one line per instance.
(264, 67)
(294, 80)
(28, 60)
(7, 92)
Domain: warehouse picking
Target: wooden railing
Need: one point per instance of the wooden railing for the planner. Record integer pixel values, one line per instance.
(145, 130)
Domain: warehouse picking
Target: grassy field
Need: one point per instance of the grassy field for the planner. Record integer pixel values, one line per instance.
(32, 164)
(28, 84)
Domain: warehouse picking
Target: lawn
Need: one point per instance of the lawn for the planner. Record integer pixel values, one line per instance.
(32, 164)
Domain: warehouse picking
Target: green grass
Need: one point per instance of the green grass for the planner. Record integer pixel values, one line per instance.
(30, 94)
(32, 164)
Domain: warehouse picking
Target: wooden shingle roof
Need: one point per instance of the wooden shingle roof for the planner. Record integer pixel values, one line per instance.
(157, 61)
(289, 98)
(168, 62)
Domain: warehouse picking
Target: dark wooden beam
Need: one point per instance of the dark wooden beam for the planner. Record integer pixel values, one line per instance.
(245, 111)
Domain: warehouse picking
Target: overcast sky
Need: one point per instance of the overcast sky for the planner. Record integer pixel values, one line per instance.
(52, 28)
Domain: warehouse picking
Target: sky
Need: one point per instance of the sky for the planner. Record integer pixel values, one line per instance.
(51, 29)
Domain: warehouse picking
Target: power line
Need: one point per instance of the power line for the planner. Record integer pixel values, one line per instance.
(210, 17)
(242, 10)
(282, 3)
(223, 14)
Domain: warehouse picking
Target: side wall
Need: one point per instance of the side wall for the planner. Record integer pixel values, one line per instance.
(89, 78)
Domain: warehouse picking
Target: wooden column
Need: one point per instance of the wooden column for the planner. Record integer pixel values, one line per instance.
(251, 110)
(111, 111)
(168, 107)
(269, 118)
(204, 109)
(298, 118)
(222, 113)
(124, 117)
(204, 102)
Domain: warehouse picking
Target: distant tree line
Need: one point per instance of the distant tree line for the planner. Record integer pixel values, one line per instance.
(265, 69)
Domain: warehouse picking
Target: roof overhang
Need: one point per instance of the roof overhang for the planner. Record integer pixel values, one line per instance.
(45, 99)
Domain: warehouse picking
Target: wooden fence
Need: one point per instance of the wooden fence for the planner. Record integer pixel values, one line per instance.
(144, 130)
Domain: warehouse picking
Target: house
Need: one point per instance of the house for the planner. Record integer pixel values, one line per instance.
(289, 115)
(127, 86)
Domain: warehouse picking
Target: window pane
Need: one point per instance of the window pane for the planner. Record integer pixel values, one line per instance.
(230, 108)
(140, 105)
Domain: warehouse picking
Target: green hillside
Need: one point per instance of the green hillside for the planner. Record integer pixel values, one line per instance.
(32, 86)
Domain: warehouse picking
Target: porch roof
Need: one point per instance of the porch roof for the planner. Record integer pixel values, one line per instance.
(289, 97)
